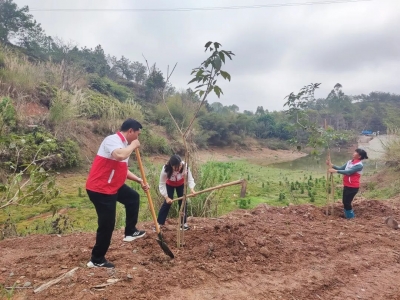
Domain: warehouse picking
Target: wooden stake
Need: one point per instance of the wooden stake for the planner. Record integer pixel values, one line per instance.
(242, 192)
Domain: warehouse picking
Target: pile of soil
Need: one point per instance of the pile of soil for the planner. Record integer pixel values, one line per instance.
(294, 252)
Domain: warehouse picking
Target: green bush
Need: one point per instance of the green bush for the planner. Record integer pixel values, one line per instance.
(8, 115)
(153, 143)
(108, 87)
(40, 146)
(97, 106)
(46, 93)
(276, 144)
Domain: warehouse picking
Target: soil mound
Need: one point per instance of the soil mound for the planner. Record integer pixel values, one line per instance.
(295, 252)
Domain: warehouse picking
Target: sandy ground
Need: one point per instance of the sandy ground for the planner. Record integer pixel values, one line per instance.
(296, 252)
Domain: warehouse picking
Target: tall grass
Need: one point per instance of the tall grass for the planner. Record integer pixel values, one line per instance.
(20, 74)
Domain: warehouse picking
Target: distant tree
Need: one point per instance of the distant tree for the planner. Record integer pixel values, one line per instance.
(14, 21)
(155, 84)
(260, 111)
(139, 72)
(233, 108)
(217, 107)
(339, 105)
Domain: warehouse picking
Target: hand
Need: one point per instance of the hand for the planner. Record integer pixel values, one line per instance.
(168, 200)
(145, 187)
(332, 170)
(192, 191)
(328, 163)
(135, 144)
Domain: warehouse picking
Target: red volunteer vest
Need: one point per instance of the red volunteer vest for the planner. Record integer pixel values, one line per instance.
(107, 175)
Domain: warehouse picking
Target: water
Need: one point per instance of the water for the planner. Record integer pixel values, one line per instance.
(317, 163)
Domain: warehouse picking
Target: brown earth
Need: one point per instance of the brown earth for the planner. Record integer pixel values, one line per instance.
(294, 252)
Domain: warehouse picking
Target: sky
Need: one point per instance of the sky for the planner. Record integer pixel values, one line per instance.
(278, 50)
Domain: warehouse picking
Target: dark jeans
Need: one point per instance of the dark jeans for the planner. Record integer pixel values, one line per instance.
(106, 208)
(348, 196)
(163, 213)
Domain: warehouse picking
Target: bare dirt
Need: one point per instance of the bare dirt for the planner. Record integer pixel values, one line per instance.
(296, 252)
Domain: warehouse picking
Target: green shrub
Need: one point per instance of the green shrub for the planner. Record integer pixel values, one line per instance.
(153, 143)
(108, 87)
(46, 93)
(7, 114)
(276, 144)
(97, 106)
(21, 149)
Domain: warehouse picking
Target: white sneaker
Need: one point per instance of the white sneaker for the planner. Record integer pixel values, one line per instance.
(185, 227)
(136, 235)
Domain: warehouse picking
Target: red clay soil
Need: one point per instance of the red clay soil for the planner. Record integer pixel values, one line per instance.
(267, 253)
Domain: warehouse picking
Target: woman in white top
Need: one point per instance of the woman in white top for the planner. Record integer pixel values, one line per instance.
(172, 178)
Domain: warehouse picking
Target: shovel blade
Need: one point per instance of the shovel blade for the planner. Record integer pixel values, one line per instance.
(164, 246)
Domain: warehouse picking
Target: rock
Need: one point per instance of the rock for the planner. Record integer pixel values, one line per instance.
(11, 274)
(392, 223)
(26, 284)
(112, 280)
(129, 276)
(261, 241)
(3, 269)
(64, 267)
(264, 252)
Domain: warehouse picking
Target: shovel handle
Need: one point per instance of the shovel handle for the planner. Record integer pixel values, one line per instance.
(153, 213)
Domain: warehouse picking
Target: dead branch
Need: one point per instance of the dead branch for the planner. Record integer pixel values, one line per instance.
(54, 281)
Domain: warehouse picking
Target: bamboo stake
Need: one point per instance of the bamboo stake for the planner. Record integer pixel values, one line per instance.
(328, 158)
(241, 181)
(332, 194)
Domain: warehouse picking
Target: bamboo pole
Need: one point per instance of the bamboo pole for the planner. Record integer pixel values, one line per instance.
(330, 193)
(241, 181)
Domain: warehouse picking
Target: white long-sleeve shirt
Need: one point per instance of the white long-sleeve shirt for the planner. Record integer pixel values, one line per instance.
(176, 176)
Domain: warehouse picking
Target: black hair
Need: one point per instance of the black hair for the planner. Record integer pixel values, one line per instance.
(362, 153)
(130, 123)
(174, 160)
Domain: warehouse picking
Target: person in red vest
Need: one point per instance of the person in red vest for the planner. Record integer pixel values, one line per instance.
(105, 186)
(172, 178)
(352, 171)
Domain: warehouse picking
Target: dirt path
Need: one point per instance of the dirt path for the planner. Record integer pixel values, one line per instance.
(266, 253)
(375, 145)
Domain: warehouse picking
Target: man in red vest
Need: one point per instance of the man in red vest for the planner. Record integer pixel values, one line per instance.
(106, 185)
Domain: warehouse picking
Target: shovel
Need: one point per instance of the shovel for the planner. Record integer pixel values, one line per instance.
(160, 239)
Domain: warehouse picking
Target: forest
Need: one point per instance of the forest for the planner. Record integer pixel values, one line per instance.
(85, 88)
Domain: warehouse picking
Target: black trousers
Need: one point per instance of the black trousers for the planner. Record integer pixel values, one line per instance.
(106, 208)
(348, 195)
(163, 213)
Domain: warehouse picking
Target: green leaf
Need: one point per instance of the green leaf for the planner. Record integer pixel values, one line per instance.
(201, 93)
(222, 56)
(216, 45)
(199, 73)
(193, 80)
(217, 63)
(207, 44)
(217, 91)
(226, 75)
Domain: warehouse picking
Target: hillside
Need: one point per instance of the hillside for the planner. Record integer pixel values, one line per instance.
(293, 252)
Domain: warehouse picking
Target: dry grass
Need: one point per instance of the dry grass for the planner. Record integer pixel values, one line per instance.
(19, 75)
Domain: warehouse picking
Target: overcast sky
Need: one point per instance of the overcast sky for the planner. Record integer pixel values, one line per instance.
(278, 50)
